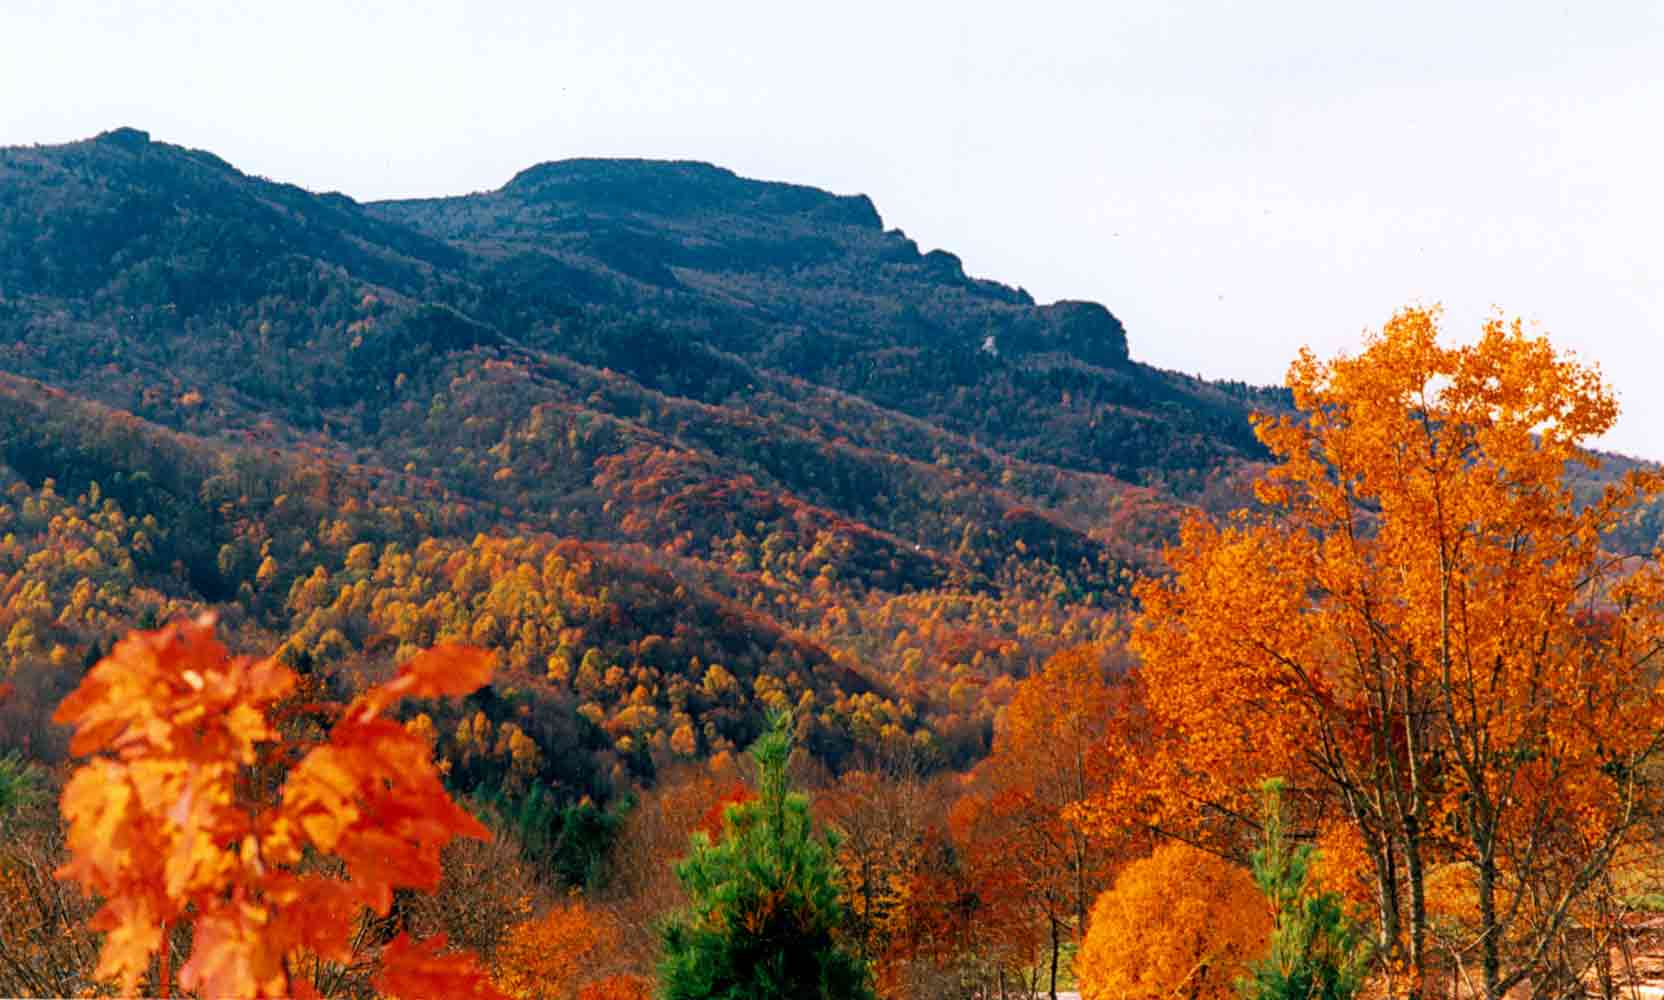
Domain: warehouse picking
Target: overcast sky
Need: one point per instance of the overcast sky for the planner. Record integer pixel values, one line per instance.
(1232, 180)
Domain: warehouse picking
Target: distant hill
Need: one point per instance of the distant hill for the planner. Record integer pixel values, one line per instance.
(810, 449)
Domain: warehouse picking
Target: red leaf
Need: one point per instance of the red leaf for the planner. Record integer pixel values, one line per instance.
(450, 669)
(417, 971)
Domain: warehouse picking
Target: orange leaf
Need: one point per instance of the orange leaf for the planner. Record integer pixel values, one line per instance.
(232, 957)
(134, 935)
(451, 669)
(417, 971)
(159, 825)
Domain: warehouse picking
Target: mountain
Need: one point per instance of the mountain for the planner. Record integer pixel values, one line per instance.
(678, 443)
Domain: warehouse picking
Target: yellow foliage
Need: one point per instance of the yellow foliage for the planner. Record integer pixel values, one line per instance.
(625, 987)
(1179, 923)
(549, 957)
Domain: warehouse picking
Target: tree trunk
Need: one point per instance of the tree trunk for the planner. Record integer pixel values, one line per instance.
(1491, 953)
(1386, 897)
(1418, 905)
(1054, 958)
(1081, 902)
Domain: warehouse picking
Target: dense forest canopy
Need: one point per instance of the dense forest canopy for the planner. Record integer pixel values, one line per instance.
(632, 420)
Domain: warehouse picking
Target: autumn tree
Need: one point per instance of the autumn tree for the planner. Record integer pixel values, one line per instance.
(881, 818)
(170, 822)
(984, 894)
(960, 933)
(1016, 827)
(1421, 627)
(653, 838)
(763, 918)
(1179, 923)
(551, 956)
(623, 986)
(486, 889)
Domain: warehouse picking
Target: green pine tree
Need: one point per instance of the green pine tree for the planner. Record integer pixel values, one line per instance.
(764, 911)
(20, 784)
(1316, 951)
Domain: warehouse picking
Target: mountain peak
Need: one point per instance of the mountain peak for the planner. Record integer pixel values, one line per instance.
(681, 188)
(588, 168)
(125, 137)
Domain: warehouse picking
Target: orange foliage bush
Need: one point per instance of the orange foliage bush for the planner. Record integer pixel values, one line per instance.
(549, 957)
(618, 988)
(170, 821)
(1179, 923)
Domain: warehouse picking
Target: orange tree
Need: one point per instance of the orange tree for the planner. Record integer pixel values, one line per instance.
(1423, 629)
(1179, 923)
(550, 957)
(171, 820)
(1013, 829)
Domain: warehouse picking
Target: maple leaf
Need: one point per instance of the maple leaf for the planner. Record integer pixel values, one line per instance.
(448, 670)
(230, 958)
(319, 796)
(133, 935)
(415, 970)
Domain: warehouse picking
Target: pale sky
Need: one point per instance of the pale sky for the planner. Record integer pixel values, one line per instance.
(1233, 180)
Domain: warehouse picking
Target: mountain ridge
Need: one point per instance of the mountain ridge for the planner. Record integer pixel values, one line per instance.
(650, 411)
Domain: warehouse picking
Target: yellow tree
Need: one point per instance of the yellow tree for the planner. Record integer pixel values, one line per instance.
(1179, 923)
(550, 957)
(882, 820)
(1422, 628)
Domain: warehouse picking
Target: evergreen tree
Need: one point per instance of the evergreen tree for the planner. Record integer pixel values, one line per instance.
(21, 783)
(1316, 951)
(764, 912)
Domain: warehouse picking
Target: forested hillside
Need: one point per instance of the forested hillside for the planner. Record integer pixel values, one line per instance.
(704, 464)
(678, 445)
(833, 464)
